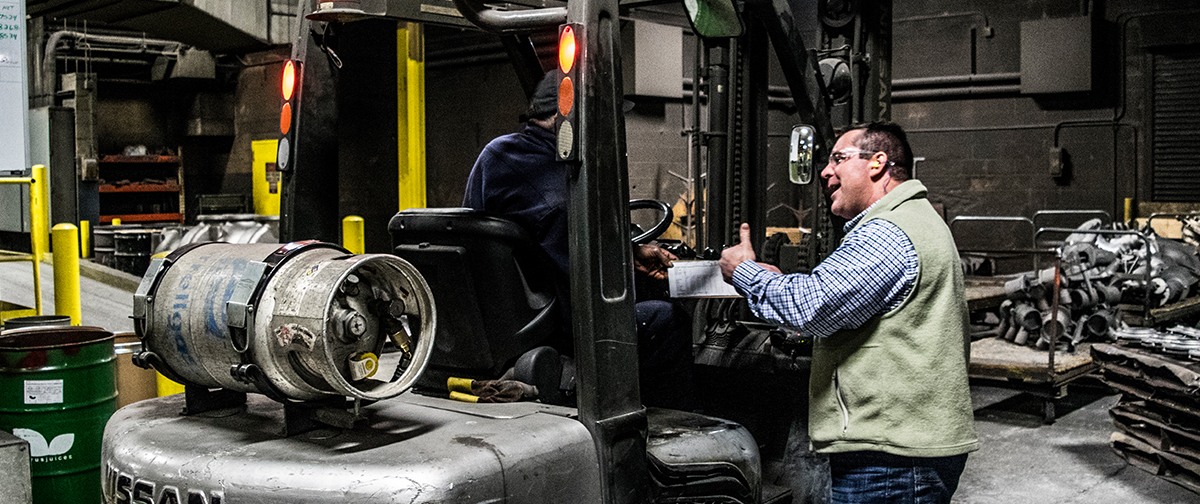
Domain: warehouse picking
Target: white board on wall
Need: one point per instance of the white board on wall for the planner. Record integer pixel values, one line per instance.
(14, 90)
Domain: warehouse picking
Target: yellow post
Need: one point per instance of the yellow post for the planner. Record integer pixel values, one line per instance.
(410, 114)
(116, 222)
(1128, 209)
(85, 234)
(66, 272)
(352, 234)
(39, 185)
(39, 210)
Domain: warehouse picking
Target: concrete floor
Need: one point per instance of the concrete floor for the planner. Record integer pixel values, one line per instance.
(103, 305)
(1021, 460)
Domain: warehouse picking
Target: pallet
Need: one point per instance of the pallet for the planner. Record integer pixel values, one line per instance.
(1158, 418)
(997, 362)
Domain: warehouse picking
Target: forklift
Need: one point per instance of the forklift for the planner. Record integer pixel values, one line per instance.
(285, 350)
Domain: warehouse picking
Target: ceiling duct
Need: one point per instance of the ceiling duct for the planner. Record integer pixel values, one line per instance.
(195, 63)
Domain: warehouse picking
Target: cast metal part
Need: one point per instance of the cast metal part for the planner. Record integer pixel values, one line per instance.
(282, 321)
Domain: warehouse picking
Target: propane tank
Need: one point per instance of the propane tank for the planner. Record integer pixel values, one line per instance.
(303, 321)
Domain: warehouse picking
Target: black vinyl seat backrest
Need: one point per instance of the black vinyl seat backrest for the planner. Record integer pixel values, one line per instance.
(491, 288)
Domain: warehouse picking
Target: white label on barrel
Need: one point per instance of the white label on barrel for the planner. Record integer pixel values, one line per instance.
(43, 391)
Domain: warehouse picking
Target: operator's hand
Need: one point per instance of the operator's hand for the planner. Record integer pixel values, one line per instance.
(653, 260)
(733, 256)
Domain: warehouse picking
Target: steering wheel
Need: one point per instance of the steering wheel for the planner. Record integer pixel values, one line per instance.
(638, 236)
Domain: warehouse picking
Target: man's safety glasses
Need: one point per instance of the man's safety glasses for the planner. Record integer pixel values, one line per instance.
(841, 156)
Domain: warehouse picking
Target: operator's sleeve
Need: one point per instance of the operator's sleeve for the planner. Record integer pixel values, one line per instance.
(869, 274)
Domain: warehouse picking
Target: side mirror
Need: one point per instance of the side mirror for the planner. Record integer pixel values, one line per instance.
(800, 155)
(713, 18)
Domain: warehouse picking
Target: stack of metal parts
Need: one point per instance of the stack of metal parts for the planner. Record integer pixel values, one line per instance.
(1099, 275)
(1191, 230)
(1180, 342)
(129, 247)
(225, 228)
(1157, 419)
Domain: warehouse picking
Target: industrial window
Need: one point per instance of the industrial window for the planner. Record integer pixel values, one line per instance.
(1176, 169)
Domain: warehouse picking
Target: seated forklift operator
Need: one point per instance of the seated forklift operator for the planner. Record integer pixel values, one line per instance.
(517, 177)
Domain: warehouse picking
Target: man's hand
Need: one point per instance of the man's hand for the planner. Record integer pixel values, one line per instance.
(733, 256)
(653, 260)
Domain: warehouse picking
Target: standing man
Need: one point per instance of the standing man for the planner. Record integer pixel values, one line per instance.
(888, 395)
(518, 177)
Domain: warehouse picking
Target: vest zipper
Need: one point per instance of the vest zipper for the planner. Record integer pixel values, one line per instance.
(837, 389)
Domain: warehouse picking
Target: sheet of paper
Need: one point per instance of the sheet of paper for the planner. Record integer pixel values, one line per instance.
(691, 279)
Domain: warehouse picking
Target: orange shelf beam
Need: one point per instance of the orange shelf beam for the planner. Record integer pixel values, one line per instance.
(150, 217)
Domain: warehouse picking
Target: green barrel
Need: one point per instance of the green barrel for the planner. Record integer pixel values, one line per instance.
(58, 388)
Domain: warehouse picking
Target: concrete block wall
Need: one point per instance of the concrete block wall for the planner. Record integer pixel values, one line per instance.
(990, 154)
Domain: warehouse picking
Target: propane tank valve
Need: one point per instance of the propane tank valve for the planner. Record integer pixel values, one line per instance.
(351, 324)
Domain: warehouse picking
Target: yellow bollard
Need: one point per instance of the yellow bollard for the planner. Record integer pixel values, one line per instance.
(352, 234)
(116, 222)
(66, 272)
(1128, 210)
(85, 234)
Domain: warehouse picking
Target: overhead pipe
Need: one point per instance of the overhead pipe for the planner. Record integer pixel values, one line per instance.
(116, 61)
(945, 80)
(954, 92)
(46, 82)
(987, 27)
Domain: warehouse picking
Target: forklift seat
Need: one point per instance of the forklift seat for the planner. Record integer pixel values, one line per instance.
(493, 296)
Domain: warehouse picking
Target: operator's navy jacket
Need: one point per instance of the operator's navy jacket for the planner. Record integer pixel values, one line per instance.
(516, 176)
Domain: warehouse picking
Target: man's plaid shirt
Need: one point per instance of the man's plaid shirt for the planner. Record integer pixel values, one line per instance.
(870, 273)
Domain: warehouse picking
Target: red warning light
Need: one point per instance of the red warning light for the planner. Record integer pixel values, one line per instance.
(285, 118)
(289, 79)
(566, 96)
(566, 49)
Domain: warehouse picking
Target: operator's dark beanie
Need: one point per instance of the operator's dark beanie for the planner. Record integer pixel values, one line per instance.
(544, 101)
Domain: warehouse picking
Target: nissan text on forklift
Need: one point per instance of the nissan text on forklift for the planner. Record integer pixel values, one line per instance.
(308, 369)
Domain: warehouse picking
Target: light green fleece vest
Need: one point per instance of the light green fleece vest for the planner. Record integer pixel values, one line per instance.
(898, 384)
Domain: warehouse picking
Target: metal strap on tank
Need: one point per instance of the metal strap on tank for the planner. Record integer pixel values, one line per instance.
(143, 298)
(143, 309)
(240, 306)
(239, 311)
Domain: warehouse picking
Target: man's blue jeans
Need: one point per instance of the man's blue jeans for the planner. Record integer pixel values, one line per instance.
(874, 477)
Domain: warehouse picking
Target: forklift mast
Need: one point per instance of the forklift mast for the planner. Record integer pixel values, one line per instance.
(836, 60)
